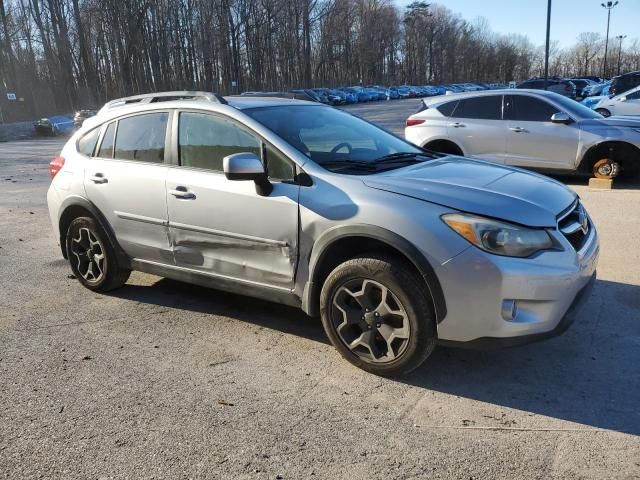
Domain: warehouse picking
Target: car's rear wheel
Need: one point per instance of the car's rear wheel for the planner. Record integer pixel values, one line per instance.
(604, 112)
(92, 256)
(376, 312)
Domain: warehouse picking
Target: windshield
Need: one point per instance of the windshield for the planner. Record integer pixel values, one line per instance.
(337, 140)
(575, 109)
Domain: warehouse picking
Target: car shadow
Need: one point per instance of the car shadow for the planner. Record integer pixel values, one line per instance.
(590, 375)
(583, 181)
(174, 294)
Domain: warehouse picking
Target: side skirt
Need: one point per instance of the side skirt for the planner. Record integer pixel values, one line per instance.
(219, 282)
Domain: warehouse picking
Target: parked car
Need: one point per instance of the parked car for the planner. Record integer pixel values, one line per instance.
(393, 93)
(581, 84)
(54, 125)
(404, 92)
(300, 94)
(623, 83)
(396, 249)
(627, 103)
(81, 115)
(596, 89)
(528, 128)
(352, 95)
(557, 85)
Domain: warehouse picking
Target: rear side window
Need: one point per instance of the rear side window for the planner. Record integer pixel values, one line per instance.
(87, 144)
(528, 109)
(141, 137)
(106, 146)
(204, 140)
(486, 108)
(447, 109)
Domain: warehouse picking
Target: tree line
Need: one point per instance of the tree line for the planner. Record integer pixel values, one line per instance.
(88, 51)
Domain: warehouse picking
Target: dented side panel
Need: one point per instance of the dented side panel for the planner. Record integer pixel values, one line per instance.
(228, 229)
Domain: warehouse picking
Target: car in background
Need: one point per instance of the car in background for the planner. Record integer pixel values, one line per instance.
(596, 89)
(627, 103)
(581, 84)
(624, 83)
(359, 93)
(393, 93)
(306, 94)
(404, 92)
(54, 125)
(81, 115)
(528, 128)
(561, 86)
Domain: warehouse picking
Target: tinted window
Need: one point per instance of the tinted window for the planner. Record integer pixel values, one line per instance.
(485, 108)
(106, 147)
(142, 137)
(204, 140)
(634, 96)
(87, 144)
(447, 108)
(529, 109)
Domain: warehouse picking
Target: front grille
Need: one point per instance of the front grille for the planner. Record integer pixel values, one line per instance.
(575, 225)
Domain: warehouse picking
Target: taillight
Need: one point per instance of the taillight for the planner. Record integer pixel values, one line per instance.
(56, 165)
(414, 121)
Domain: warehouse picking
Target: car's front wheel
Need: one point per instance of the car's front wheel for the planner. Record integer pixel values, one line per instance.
(92, 257)
(377, 313)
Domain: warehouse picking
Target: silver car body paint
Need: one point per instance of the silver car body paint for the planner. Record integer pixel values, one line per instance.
(230, 237)
(543, 145)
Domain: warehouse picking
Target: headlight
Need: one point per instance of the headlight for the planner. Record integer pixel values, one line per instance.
(499, 238)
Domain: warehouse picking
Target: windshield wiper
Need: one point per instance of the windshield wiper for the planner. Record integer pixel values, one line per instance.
(352, 164)
(401, 157)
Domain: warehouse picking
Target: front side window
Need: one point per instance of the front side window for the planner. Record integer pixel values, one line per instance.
(106, 146)
(87, 144)
(142, 137)
(528, 109)
(485, 108)
(204, 140)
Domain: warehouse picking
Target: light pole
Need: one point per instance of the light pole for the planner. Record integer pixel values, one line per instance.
(546, 51)
(620, 37)
(609, 6)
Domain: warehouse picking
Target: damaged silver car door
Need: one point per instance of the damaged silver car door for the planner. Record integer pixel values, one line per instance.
(224, 227)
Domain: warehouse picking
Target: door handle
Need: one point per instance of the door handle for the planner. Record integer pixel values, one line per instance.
(516, 129)
(98, 178)
(182, 193)
(456, 125)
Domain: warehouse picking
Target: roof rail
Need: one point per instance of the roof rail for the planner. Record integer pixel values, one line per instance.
(163, 97)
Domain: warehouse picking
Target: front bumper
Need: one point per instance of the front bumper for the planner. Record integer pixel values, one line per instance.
(547, 292)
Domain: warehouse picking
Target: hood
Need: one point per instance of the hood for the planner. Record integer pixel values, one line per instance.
(622, 121)
(482, 188)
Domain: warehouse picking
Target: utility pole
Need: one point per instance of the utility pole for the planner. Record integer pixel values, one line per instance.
(546, 52)
(620, 37)
(608, 6)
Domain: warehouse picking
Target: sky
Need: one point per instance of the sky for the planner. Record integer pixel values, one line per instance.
(569, 18)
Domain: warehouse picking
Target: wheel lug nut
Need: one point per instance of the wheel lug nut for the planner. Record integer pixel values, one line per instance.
(377, 325)
(377, 314)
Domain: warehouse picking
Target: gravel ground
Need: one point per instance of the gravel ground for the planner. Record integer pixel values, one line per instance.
(165, 380)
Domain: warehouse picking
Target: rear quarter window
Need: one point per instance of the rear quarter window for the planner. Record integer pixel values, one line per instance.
(87, 143)
(447, 109)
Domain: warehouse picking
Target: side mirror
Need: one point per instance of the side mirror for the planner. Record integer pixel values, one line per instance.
(247, 166)
(561, 117)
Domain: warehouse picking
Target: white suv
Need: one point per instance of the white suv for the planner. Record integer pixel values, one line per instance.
(527, 128)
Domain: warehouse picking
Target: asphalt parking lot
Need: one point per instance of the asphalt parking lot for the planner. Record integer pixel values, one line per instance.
(165, 380)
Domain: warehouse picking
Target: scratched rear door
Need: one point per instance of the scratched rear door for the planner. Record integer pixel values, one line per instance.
(223, 227)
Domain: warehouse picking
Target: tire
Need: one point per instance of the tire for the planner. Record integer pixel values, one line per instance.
(604, 112)
(394, 336)
(92, 256)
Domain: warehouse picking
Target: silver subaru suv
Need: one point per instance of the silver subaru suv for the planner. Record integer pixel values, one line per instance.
(395, 248)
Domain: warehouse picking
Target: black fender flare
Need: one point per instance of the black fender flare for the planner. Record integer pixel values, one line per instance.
(310, 303)
(78, 201)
